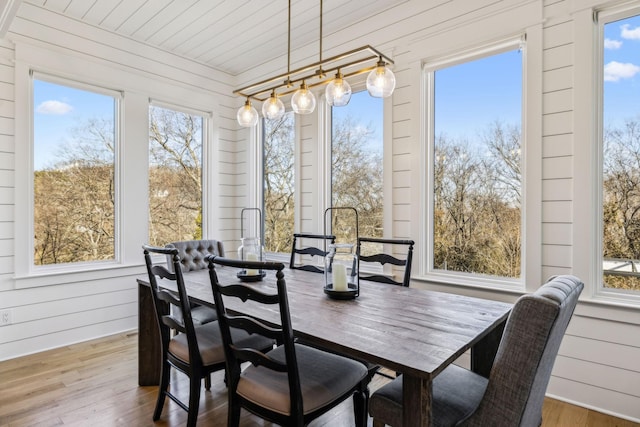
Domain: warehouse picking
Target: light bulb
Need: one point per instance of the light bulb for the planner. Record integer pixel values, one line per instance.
(303, 101)
(273, 108)
(247, 115)
(338, 92)
(381, 81)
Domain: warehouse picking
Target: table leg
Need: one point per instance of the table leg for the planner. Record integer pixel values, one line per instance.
(149, 347)
(416, 401)
(484, 352)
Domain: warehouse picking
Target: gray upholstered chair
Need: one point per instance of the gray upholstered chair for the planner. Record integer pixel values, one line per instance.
(514, 392)
(192, 255)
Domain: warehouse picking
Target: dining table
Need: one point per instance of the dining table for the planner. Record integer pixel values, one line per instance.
(411, 331)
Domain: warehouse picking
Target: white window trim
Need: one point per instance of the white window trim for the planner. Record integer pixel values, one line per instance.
(531, 175)
(133, 158)
(24, 266)
(589, 56)
(206, 158)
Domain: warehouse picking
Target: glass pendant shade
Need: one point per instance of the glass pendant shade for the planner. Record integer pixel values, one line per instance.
(273, 108)
(338, 92)
(381, 82)
(247, 115)
(303, 101)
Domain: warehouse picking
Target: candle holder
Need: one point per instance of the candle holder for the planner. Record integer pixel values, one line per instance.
(251, 248)
(341, 264)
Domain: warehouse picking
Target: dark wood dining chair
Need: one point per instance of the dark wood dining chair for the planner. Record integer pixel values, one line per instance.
(301, 249)
(514, 392)
(371, 254)
(196, 350)
(192, 255)
(293, 383)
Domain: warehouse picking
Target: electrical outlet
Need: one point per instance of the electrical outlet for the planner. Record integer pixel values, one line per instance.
(5, 317)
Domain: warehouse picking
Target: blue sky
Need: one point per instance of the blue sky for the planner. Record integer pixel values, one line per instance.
(57, 111)
(474, 94)
(366, 110)
(468, 96)
(621, 70)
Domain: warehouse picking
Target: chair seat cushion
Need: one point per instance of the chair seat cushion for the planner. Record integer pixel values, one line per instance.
(210, 343)
(457, 392)
(324, 377)
(201, 314)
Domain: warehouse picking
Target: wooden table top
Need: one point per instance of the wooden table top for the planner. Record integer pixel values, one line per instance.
(408, 330)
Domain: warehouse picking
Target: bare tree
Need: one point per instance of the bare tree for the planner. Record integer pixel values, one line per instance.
(357, 177)
(477, 210)
(74, 199)
(175, 176)
(279, 183)
(621, 199)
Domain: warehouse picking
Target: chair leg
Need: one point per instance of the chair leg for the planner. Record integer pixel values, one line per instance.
(207, 382)
(194, 401)
(360, 408)
(233, 412)
(162, 389)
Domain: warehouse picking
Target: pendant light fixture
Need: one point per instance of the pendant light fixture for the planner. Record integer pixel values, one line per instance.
(338, 91)
(247, 115)
(380, 82)
(303, 100)
(273, 108)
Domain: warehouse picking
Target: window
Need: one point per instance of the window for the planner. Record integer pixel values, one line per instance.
(475, 144)
(356, 161)
(620, 217)
(74, 187)
(278, 192)
(175, 175)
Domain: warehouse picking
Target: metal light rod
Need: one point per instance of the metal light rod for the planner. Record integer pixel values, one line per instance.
(290, 77)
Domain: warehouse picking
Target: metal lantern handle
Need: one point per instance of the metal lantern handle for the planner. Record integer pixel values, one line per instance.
(330, 210)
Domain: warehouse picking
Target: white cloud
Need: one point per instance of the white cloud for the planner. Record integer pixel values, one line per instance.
(615, 71)
(629, 33)
(612, 44)
(54, 107)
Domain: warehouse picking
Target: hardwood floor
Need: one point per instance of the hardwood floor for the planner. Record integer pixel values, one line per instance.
(95, 384)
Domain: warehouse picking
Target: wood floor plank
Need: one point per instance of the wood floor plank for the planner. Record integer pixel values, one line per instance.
(94, 384)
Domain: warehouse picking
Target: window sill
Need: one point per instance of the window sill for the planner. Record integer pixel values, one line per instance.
(607, 305)
(75, 273)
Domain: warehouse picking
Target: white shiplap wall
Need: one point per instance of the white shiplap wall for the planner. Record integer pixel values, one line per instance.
(596, 366)
(53, 310)
(596, 363)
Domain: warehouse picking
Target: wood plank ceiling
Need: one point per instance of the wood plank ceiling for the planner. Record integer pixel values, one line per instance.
(232, 36)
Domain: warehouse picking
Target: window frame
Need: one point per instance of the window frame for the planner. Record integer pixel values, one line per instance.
(118, 96)
(599, 291)
(425, 262)
(205, 155)
(261, 132)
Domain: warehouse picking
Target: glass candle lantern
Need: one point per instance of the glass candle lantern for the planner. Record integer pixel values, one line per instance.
(251, 250)
(341, 271)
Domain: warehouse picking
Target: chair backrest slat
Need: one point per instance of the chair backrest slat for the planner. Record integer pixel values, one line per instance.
(282, 333)
(383, 258)
(162, 298)
(309, 251)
